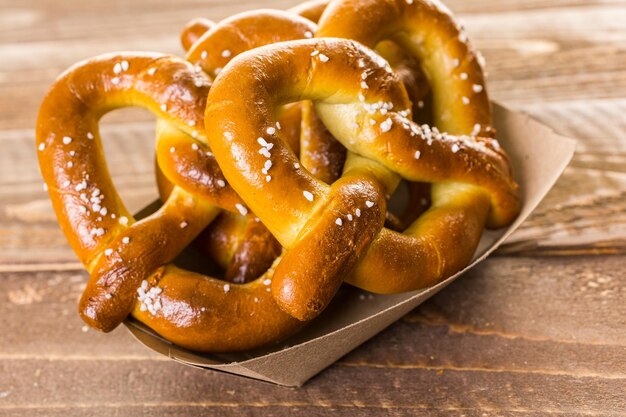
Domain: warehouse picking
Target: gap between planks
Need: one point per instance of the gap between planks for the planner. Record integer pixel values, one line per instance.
(359, 364)
(321, 404)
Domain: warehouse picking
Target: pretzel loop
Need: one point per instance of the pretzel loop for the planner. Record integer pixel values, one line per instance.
(129, 262)
(223, 147)
(311, 69)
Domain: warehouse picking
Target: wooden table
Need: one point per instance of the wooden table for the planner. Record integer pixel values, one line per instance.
(538, 329)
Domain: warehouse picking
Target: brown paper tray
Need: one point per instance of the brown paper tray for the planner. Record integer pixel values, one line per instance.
(538, 155)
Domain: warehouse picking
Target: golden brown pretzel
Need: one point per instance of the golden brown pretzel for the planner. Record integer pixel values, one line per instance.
(128, 261)
(460, 106)
(211, 46)
(326, 230)
(343, 222)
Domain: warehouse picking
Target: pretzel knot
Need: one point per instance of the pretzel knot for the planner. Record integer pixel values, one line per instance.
(328, 230)
(222, 148)
(239, 243)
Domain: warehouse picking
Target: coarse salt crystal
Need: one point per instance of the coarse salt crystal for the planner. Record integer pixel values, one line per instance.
(241, 208)
(386, 125)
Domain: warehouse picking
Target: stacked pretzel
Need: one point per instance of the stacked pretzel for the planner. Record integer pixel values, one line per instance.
(280, 139)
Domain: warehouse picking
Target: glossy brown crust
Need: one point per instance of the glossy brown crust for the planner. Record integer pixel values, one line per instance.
(320, 153)
(443, 240)
(460, 102)
(329, 231)
(334, 82)
(240, 245)
(245, 31)
(193, 30)
(121, 255)
(311, 10)
(252, 249)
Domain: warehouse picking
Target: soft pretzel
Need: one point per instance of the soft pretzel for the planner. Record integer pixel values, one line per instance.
(460, 106)
(128, 261)
(331, 229)
(248, 252)
(252, 248)
(326, 230)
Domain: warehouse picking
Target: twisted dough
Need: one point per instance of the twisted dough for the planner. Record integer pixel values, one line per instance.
(243, 247)
(444, 239)
(126, 258)
(306, 215)
(330, 232)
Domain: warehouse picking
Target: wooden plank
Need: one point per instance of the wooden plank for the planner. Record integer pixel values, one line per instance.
(532, 54)
(203, 409)
(158, 385)
(583, 295)
(533, 334)
(484, 345)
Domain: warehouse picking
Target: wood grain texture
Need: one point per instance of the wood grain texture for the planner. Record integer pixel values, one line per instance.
(475, 348)
(537, 330)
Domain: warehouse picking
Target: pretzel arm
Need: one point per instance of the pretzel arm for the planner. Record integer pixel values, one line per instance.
(125, 257)
(253, 248)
